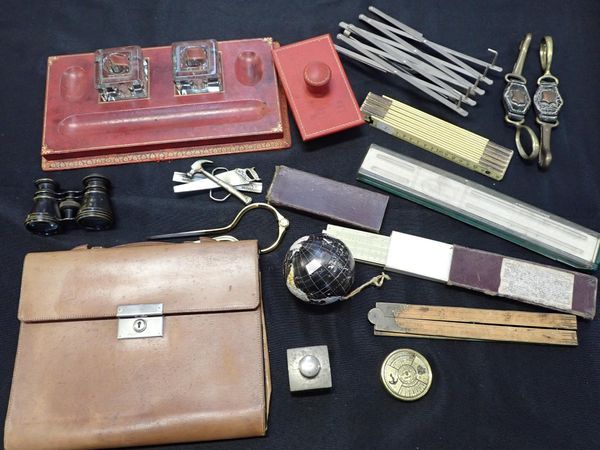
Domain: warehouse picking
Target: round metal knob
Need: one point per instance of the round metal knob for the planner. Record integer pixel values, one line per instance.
(317, 76)
(309, 366)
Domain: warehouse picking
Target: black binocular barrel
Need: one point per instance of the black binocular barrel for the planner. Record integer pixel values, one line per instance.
(44, 217)
(95, 212)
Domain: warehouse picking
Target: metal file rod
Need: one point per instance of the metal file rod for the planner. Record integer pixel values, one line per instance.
(391, 33)
(365, 60)
(411, 63)
(398, 55)
(448, 76)
(435, 65)
(406, 77)
(411, 33)
(444, 96)
(453, 95)
(443, 62)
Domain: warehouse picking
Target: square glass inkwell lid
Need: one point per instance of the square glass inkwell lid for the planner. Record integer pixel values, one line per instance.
(196, 67)
(121, 73)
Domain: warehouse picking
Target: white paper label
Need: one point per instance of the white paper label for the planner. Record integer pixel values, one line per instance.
(536, 284)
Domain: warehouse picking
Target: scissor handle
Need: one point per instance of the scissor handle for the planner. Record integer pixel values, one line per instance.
(282, 226)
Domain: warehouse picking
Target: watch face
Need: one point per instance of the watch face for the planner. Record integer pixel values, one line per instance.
(547, 101)
(516, 99)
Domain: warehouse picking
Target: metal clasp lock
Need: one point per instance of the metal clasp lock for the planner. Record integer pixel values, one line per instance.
(140, 321)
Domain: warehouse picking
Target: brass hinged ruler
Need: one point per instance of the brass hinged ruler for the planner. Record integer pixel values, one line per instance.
(437, 136)
(445, 322)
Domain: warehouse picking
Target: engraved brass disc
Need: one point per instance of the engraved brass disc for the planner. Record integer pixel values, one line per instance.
(406, 374)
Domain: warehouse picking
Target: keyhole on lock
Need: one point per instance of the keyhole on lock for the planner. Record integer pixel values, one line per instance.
(139, 325)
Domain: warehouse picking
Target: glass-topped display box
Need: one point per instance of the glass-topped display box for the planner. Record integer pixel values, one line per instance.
(196, 67)
(121, 73)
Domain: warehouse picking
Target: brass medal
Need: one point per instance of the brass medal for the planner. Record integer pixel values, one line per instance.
(406, 374)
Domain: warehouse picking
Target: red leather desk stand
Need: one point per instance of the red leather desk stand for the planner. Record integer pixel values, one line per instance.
(317, 88)
(250, 114)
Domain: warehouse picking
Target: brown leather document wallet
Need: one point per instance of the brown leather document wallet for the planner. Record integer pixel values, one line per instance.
(139, 345)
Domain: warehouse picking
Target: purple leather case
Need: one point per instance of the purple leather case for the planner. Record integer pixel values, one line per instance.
(524, 281)
(327, 198)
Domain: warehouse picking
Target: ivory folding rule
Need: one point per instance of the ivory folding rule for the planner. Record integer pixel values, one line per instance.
(437, 136)
(489, 273)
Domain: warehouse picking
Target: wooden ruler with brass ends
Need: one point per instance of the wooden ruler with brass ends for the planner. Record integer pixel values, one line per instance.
(436, 135)
(445, 322)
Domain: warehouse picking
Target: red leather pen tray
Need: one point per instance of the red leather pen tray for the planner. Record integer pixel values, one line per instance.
(317, 88)
(250, 114)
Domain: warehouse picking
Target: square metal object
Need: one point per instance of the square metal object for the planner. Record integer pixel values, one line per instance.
(299, 382)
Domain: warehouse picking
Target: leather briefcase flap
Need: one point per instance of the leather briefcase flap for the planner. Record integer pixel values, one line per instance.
(80, 381)
(185, 278)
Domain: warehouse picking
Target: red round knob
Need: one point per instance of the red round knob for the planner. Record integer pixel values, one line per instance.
(317, 76)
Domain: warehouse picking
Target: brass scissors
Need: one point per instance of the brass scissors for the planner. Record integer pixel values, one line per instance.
(282, 226)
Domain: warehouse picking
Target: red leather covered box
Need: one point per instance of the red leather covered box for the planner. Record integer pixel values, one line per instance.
(317, 88)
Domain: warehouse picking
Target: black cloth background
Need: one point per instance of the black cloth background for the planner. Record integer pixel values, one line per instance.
(484, 395)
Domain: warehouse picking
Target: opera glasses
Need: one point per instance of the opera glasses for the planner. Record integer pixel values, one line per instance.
(53, 210)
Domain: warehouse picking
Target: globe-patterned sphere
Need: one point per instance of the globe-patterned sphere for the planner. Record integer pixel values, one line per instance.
(319, 269)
